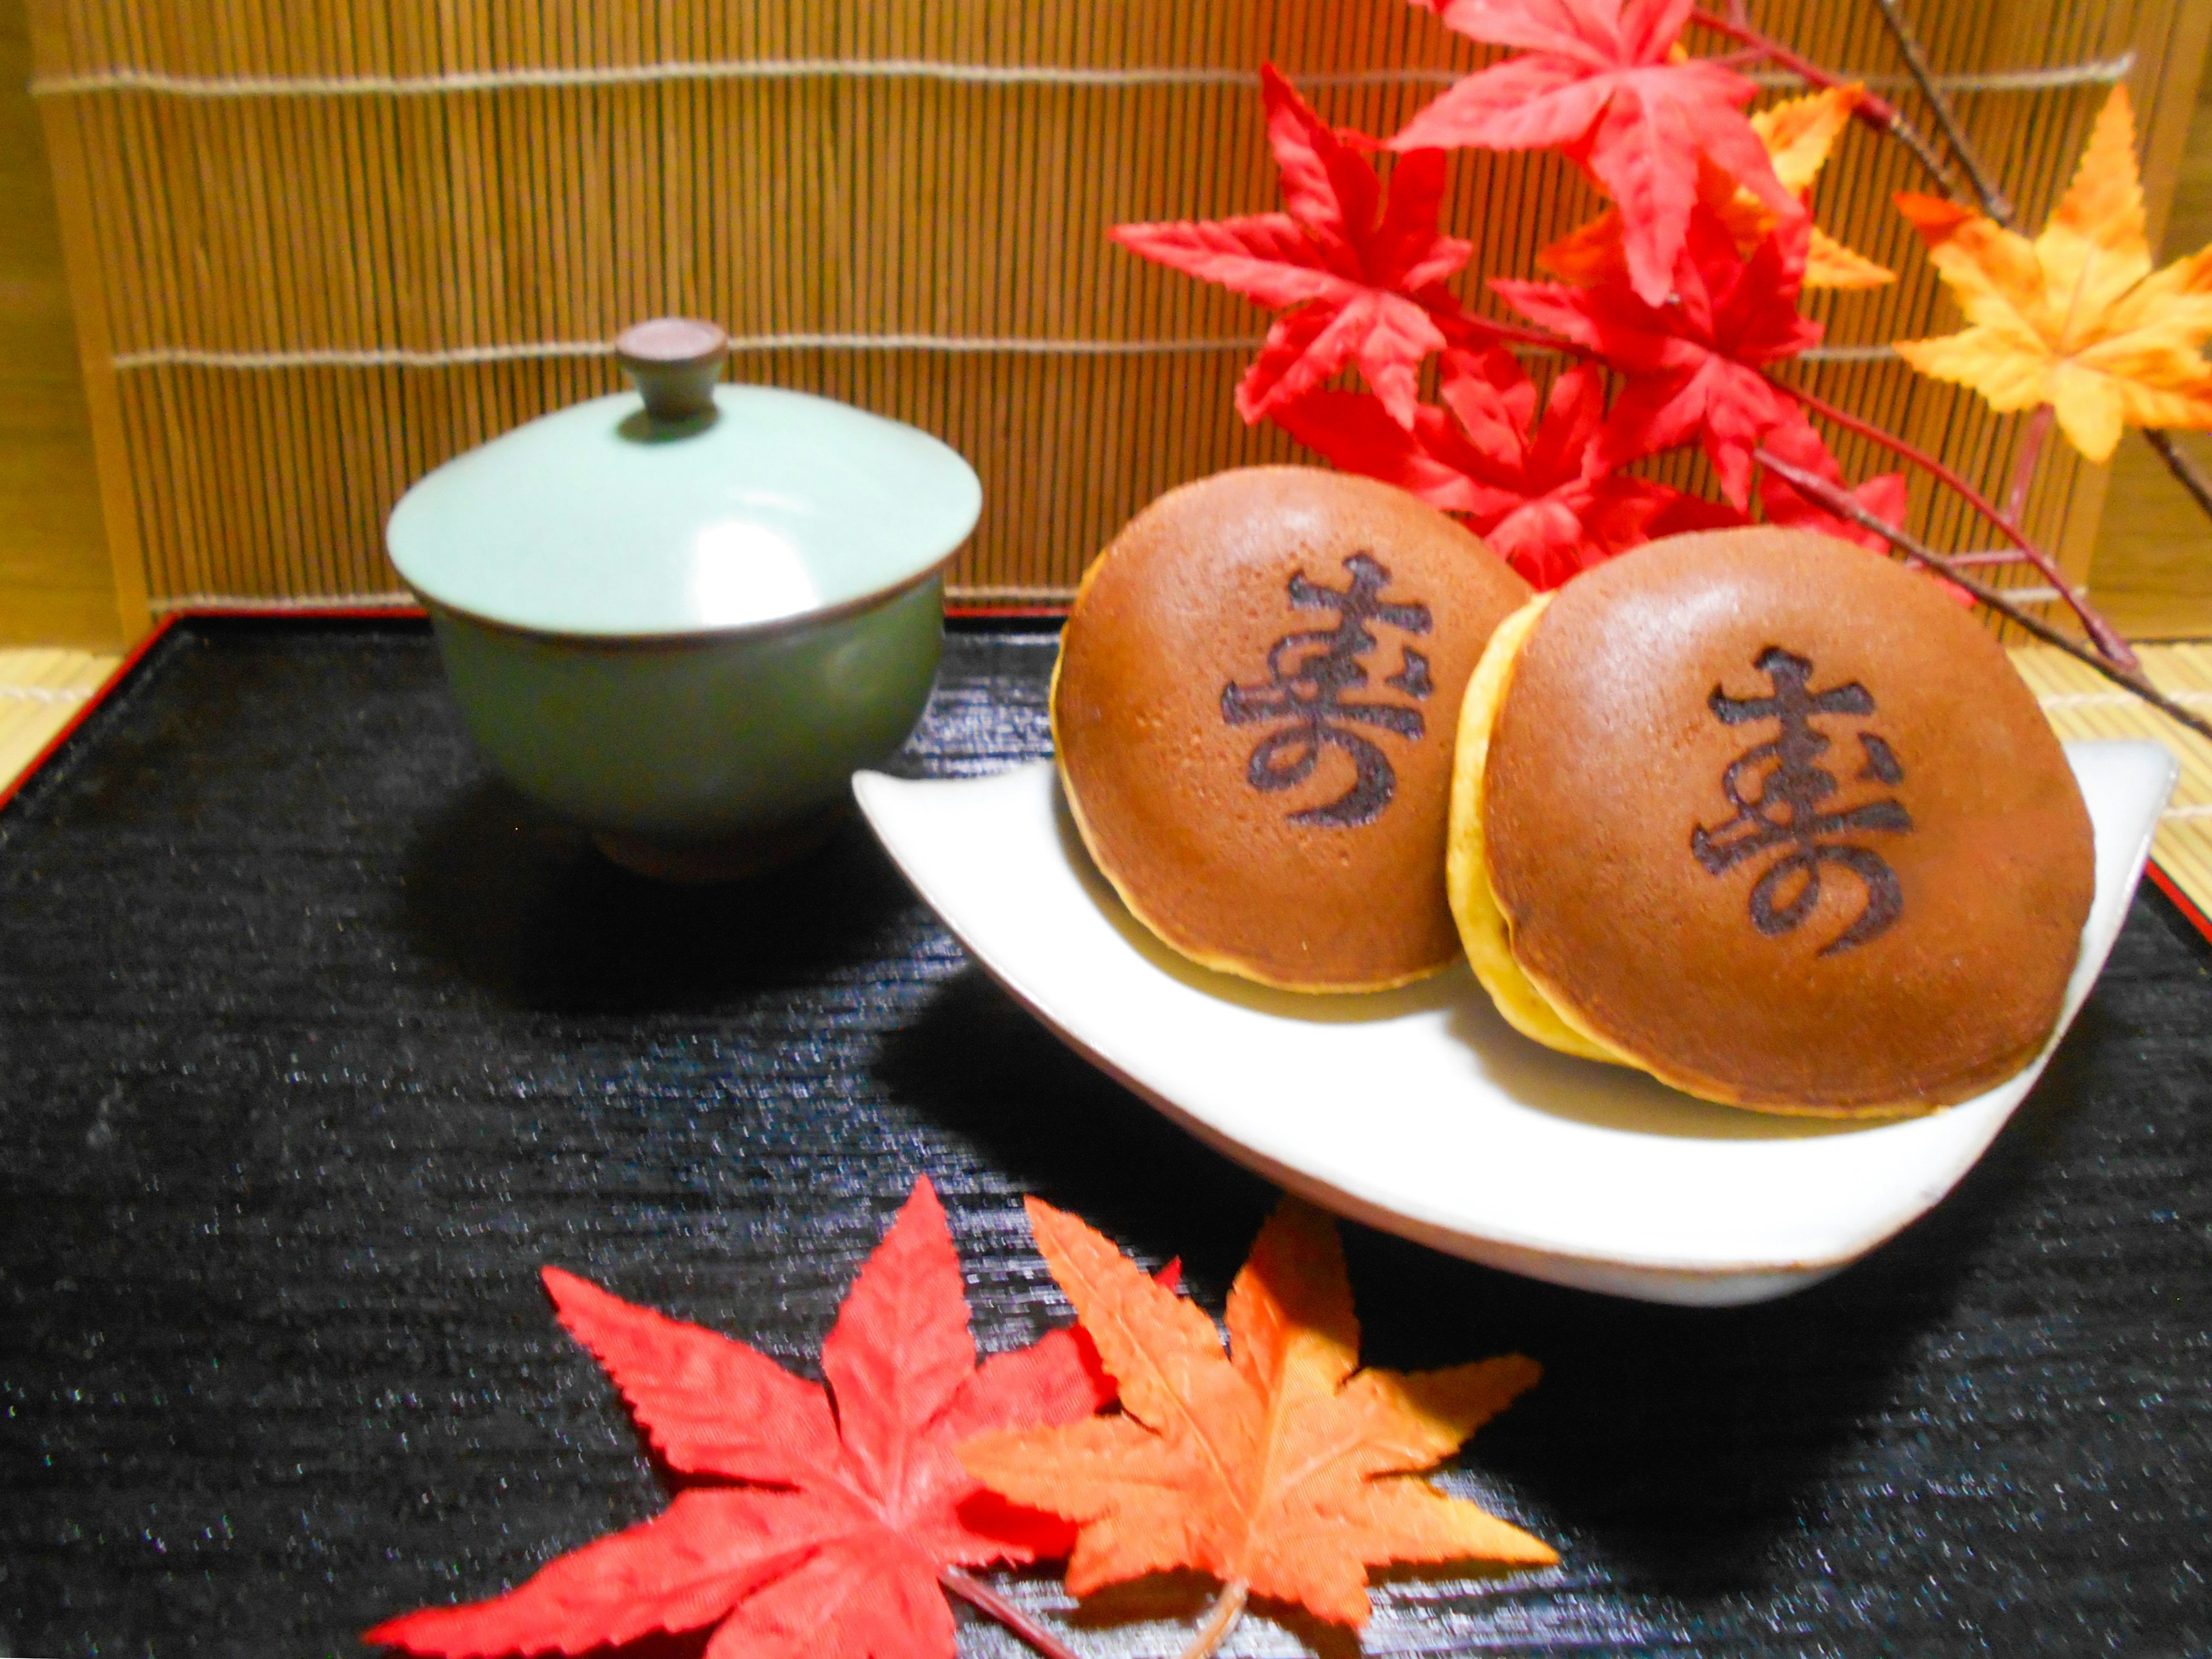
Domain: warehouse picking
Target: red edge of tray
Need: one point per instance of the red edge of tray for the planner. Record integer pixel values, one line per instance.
(2180, 900)
(2165, 884)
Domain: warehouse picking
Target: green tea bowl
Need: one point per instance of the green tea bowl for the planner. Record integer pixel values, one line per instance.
(682, 617)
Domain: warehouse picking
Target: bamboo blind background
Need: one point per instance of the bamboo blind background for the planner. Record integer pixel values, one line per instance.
(319, 247)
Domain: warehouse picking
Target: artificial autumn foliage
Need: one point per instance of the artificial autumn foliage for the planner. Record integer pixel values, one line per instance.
(2075, 320)
(1279, 1467)
(1687, 291)
(1603, 80)
(1512, 470)
(845, 1507)
(1694, 368)
(1799, 136)
(1361, 273)
(1358, 277)
(848, 1499)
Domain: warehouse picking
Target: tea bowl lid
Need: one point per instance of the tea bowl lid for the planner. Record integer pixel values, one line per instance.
(684, 508)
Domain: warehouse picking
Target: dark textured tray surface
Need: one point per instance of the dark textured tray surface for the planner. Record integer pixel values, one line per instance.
(315, 1042)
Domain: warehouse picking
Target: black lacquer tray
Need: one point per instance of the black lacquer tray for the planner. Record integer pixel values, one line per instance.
(315, 1042)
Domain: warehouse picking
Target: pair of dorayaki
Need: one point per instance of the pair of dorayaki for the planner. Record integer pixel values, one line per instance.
(1755, 810)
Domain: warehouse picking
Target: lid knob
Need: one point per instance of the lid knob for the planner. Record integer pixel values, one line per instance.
(675, 361)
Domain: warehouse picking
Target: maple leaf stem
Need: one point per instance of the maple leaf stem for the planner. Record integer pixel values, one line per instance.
(2023, 466)
(1877, 113)
(1994, 201)
(981, 1596)
(2100, 632)
(1221, 1618)
(1815, 487)
(1759, 47)
(1539, 338)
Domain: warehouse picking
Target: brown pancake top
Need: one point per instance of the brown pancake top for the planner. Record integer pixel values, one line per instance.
(1255, 712)
(1878, 737)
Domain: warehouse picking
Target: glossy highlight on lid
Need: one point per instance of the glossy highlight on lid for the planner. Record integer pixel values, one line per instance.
(599, 520)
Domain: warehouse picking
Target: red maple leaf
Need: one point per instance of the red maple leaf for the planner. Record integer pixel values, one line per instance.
(1514, 473)
(854, 1499)
(1360, 276)
(1797, 443)
(1601, 80)
(1694, 364)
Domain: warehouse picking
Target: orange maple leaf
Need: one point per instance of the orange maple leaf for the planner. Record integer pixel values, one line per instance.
(1281, 1468)
(2075, 319)
(1799, 136)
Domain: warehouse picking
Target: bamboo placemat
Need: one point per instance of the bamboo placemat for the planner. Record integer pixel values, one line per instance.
(40, 692)
(2082, 704)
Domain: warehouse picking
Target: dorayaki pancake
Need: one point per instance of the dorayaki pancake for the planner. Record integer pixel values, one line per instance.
(1254, 710)
(1775, 820)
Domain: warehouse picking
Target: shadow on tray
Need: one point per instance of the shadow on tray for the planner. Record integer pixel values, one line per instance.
(523, 906)
(1678, 1446)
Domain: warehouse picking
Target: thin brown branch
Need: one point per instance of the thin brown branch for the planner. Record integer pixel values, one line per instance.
(1817, 489)
(1877, 113)
(2179, 462)
(1996, 204)
(1923, 152)
(980, 1595)
(1228, 1608)
(1994, 200)
(2101, 633)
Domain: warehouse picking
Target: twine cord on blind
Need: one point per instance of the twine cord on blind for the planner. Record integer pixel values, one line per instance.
(528, 350)
(739, 68)
(2095, 72)
(463, 356)
(162, 82)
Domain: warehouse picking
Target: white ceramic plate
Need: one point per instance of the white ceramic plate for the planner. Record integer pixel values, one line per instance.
(1420, 1111)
